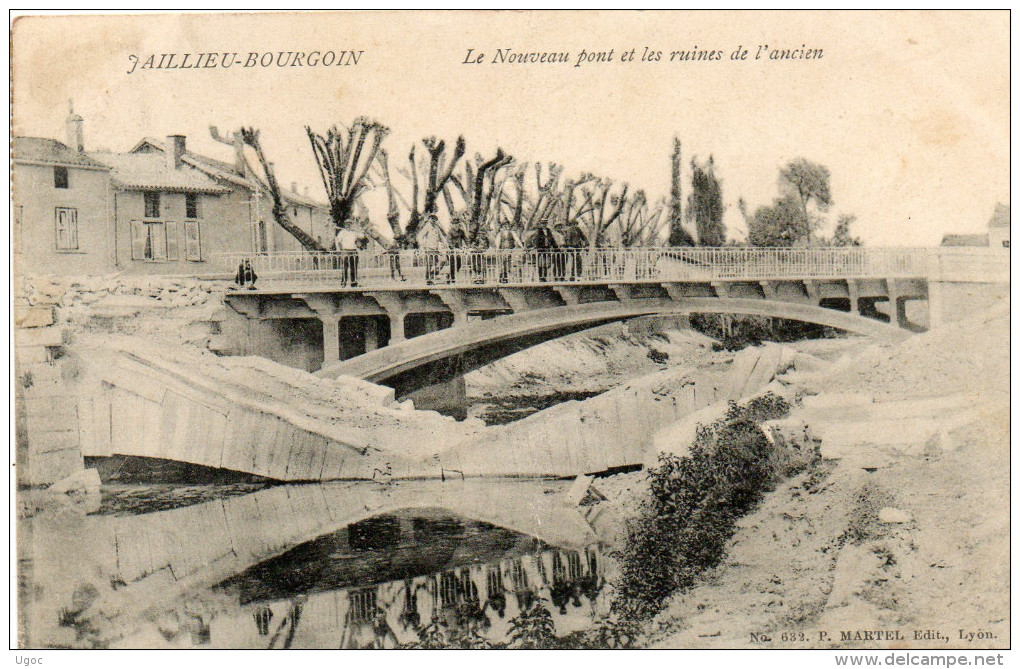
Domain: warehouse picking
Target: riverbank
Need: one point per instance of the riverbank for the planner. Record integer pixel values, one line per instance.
(903, 528)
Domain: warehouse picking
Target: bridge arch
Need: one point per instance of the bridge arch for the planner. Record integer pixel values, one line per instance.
(440, 356)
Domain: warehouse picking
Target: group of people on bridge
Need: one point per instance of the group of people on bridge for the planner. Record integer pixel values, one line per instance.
(555, 252)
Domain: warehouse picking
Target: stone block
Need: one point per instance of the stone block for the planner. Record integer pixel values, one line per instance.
(577, 491)
(84, 480)
(33, 317)
(45, 468)
(32, 354)
(39, 336)
(372, 392)
(893, 516)
(677, 437)
(44, 441)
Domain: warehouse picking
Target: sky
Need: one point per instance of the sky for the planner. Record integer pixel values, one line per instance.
(908, 110)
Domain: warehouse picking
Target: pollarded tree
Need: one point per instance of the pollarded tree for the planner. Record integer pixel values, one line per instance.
(522, 208)
(640, 224)
(597, 207)
(437, 170)
(705, 204)
(392, 198)
(429, 176)
(250, 136)
(344, 157)
(481, 190)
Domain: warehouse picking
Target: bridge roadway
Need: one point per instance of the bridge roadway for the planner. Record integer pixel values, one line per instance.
(403, 295)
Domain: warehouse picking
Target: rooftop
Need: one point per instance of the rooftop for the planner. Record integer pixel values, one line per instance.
(50, 152)
(1000, 217)
(218, 169)
(965, 240)
(149, 171)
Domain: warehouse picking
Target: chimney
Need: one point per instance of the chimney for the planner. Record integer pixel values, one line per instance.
(74, 129)
(175, 148)
(239, 163)
(293, 187)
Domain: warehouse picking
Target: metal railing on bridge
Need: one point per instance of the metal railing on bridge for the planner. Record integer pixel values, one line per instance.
(621, 265)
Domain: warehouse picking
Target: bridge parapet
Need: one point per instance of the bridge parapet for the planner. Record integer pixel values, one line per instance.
(964, 265)
(492, 268)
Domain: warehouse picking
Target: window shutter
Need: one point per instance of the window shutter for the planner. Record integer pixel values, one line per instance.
(172, 240)
(61, 228)
(138, 235)
(72, 226)
(193, 241)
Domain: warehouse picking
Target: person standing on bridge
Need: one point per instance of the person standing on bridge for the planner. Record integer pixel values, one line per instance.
(505, 242)
(454, 254)
(245, 275)
(574, 243)
(431, 240)
(399, 243)
(545, 246)
(347, 243)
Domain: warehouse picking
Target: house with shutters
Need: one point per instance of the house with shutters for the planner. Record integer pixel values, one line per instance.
(156, 209)
(62, 209)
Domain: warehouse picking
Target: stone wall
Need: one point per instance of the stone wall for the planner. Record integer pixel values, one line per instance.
(47, 429)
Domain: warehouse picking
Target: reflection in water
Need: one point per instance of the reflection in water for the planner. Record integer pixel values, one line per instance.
(418, 577)
(306, 565)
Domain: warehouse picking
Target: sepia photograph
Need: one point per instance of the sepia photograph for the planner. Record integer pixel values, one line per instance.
(510, 330)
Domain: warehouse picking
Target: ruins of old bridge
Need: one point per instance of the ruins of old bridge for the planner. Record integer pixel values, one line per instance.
(492, 303)
(419, 337)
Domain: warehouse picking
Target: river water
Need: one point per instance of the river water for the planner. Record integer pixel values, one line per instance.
(175, 564)
(352, 565)
(500, 410)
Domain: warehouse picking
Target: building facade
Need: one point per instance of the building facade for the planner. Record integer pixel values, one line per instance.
(62, 209)
(156, 209)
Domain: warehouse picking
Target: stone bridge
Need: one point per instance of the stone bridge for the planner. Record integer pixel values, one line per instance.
(380, 313)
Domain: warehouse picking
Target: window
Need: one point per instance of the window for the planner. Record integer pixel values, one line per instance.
(151, 204)
(191, 206)
(67, 229)
(149, 241)
(1005, 243)
(192, 241)
(60, 179)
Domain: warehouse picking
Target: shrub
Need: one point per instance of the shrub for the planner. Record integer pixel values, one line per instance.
(736, 332)
(657, 356)
(533, 628)
(694, 502)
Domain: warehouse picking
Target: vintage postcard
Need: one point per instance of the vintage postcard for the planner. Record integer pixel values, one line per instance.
(511, 330)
